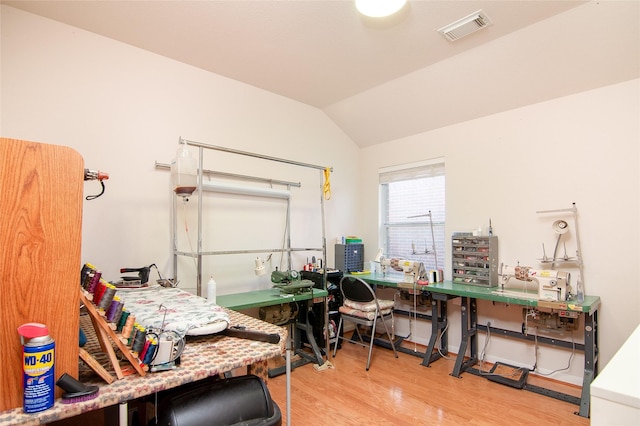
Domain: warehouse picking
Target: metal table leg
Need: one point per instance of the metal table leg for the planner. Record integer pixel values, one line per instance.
(438, 322)
(469, 319)
(590, 360)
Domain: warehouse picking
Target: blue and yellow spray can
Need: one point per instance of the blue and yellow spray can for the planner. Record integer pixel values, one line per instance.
(38, 361)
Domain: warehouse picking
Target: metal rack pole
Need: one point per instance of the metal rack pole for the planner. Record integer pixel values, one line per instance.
(199, 252)
(324, 270)
(209, 172)
(252, 154)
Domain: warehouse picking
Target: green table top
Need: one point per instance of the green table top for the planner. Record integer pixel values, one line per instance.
(269, 297)
(590, 304)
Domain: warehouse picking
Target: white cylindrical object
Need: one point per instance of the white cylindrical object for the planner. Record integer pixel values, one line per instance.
(211, 290)
(260, 270)
(123, 414)
(245, 190)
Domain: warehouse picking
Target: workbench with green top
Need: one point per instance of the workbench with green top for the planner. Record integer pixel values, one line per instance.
(440, 293)
(273, 297)
(395, 280)
(269, 297)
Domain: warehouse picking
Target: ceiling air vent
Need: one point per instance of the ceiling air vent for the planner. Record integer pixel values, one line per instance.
(465, 26)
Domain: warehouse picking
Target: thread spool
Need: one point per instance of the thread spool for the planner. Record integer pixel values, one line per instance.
(144, 350)
(100, 289)
(107, 297)
(84, 276)
(134, 332)
(151, 351)
(116, 318)
(114, 308)
(88, 279)
(123, 319)
(127, 330)
(139, 340)
(95, 280)
(87, 275)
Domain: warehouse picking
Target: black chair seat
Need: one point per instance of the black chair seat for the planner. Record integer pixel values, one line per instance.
(243, 400)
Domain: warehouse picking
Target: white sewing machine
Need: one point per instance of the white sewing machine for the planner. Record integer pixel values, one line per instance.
(552, 285)
(412, 270)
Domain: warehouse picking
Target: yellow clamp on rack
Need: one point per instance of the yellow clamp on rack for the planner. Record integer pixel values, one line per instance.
(326, 189)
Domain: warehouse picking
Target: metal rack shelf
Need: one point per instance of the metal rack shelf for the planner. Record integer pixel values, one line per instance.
(199, 253)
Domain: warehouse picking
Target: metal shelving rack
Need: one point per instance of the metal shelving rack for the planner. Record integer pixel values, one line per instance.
(199, 253)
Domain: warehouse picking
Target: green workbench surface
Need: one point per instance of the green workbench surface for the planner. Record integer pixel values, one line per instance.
(269, 297)
(590, 304)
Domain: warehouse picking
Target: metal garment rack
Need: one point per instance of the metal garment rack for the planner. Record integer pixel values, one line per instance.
(199, 253)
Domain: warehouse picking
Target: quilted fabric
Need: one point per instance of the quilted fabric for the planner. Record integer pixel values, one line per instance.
(369, 306)
(361, 314)
(366, 310)
(161, 308)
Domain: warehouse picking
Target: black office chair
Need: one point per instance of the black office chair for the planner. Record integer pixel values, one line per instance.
(243, 400)
(362, 307)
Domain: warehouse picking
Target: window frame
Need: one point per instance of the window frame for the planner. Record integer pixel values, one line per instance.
(406, 172)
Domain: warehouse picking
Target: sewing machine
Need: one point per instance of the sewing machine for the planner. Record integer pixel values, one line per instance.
(413, 271)
(552, 285)
(290, 281)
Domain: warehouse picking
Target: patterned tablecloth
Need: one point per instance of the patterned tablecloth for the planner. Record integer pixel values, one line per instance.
(174, 309)
(203, 356)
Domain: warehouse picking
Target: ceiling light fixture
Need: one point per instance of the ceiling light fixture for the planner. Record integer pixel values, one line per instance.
(379, 8)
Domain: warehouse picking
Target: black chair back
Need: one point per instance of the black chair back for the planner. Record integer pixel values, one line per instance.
(357, 290)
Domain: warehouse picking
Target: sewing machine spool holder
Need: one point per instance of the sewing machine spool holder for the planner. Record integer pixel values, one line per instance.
(560, 227)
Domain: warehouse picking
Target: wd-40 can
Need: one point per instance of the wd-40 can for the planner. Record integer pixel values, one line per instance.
(38, 360)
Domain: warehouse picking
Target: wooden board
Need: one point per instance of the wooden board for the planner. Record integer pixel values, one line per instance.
(104, 333)
(41, 188)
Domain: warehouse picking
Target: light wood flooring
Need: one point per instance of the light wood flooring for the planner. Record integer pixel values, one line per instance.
(403, 392)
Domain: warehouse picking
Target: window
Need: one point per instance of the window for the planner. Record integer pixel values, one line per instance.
(408, 194)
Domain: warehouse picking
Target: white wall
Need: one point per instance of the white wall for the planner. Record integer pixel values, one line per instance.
(581, 148)
(124, 109)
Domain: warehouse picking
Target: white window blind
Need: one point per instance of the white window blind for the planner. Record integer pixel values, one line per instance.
(408, 194)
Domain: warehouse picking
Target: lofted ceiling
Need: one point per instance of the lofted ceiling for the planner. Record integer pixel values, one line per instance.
(379, 80)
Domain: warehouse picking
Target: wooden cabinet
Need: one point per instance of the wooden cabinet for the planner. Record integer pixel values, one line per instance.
(41, 189)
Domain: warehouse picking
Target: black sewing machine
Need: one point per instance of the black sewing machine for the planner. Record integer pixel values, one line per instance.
(290, 281)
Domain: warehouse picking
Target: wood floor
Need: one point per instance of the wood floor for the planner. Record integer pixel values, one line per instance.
(403, 392)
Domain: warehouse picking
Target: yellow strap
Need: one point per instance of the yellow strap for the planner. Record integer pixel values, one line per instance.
(327, 183)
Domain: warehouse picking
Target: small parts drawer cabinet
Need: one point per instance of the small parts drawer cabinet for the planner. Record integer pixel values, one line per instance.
(475, 260)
